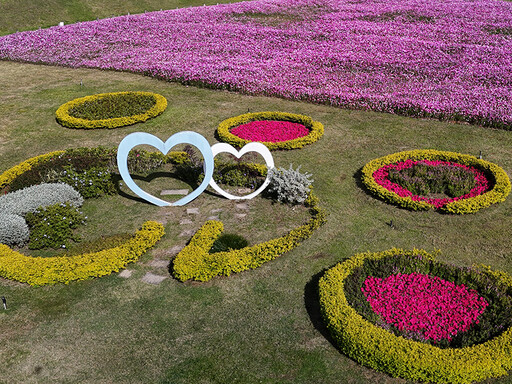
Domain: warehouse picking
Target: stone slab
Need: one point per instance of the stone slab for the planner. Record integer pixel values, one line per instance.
(240, 215)
(187, 233)
(159, 263)
(125, 273)
(193, 211)
(175, 250)
(216, 210)
(213, 218)
(186, 221)
(151, 278)
(243, 206)
(166, 192)
(244, 191)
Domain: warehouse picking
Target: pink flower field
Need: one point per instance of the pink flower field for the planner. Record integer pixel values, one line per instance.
(428, 58)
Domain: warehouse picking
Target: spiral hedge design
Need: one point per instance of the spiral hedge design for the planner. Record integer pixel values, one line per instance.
(316, 129)
(498, 192)
(379, 349)
(64, 117)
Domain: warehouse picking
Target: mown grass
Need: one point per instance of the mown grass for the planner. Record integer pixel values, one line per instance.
(257, 326)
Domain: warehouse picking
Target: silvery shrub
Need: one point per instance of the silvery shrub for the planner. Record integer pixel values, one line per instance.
(289, 185)
(29, 199)
(13, 229)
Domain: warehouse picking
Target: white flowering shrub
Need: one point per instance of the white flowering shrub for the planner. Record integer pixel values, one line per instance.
(29, 199)
(13, 230)
(289, 185)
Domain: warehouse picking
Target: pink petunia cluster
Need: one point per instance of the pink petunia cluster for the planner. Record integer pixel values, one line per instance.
(433, 58)
(270, 131)
(435, 308)
(381, 177)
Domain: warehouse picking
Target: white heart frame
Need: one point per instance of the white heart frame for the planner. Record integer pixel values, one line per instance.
(251, 147)
(185, 137)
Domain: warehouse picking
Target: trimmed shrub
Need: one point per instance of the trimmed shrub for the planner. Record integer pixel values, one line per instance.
(195, 262)
(316, 129)
(289, 185)
(93, 182)
(13, 230)
(110, 110)
(39, 271)
(380, 349)
(29, 199)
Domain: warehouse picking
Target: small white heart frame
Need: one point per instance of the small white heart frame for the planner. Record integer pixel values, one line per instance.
(251, 147)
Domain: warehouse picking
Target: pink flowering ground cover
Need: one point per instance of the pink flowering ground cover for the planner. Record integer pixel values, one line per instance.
(270, 131)
(381, 177)
(427, 305)
(433, 58)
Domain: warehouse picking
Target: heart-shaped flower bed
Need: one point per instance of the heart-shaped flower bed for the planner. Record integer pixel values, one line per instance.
(277, 130)
(447, 181)
(428, 305)
(396, 310)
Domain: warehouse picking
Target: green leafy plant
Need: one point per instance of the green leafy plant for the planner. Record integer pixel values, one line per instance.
(52, 227)
(227, 242)
(93, 182)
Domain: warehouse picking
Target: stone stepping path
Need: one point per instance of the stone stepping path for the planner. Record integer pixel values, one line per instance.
(213, 218)
(240, 215)
(187, 233)
(186, 221)
(151, 278)
(193, 211)
(168, 192)
(125, 273)
(159, 263)
(243, 206)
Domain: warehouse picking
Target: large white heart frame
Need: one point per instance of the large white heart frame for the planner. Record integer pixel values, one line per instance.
(198, 141)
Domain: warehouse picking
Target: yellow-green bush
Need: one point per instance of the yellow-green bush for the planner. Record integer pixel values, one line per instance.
(379, 349)
(194, 261)
(52, 270)
(8, 176)
(497, 194)
(316, 129)
(64, 118)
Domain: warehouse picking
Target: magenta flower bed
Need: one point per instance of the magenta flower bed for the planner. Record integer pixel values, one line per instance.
(444, 59)
(435, 308)
(381, 177)
(270, 131)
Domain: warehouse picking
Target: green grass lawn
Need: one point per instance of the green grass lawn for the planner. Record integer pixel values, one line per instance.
(260, 326)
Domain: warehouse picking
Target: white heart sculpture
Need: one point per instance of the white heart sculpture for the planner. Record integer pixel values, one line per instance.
(186, 137)
(251, 147)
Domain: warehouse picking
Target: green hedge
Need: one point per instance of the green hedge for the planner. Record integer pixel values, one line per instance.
(379, 349)
(195, 262)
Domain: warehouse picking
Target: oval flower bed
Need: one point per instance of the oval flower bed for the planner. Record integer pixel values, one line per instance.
(110, 110)
(466, 183)
(277, 130)
(64, 269)
(465, 338)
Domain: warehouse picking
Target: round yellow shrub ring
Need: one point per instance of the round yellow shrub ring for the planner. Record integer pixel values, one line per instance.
(379, 349)
(64, 118)
(497, 194)
(316, 129)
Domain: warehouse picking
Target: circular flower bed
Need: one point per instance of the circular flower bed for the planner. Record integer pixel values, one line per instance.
(110, 110)
(425, 179)
(277, 130)
(423, 345)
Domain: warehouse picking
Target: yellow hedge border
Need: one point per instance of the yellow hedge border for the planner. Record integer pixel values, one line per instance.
(61, 269)
(497, 194)
(64, 118)
(316, 129)
(194, 261)
(379, 349)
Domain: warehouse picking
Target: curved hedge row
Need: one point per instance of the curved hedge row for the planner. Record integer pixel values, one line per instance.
(316, 129)
(379, 349)
(497, 194)
(52, 270)
(64, 118)
(194, 261)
